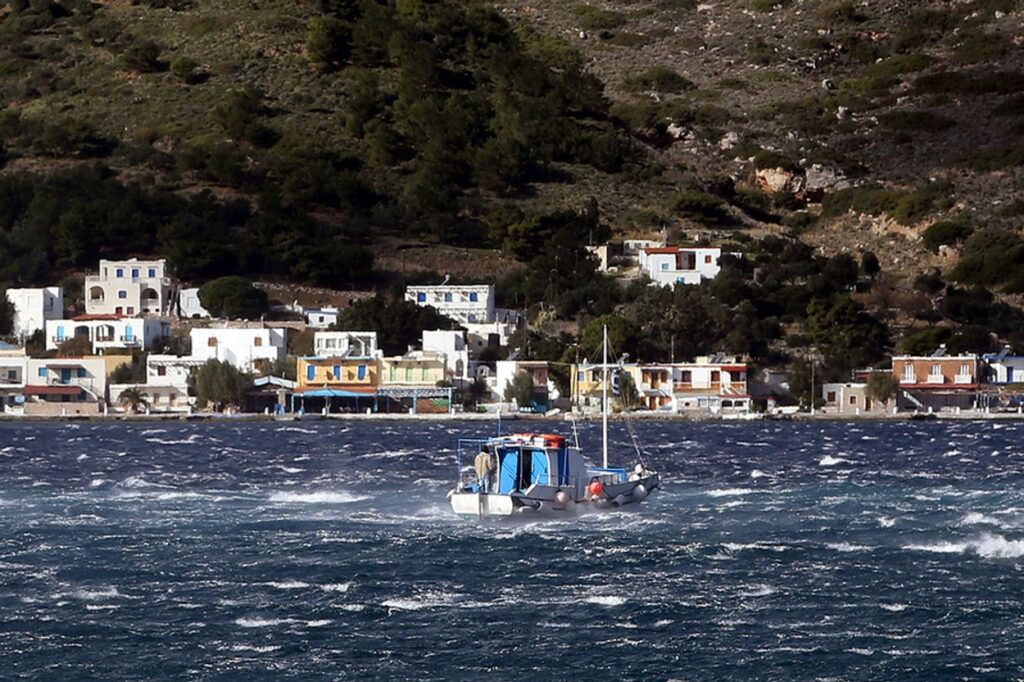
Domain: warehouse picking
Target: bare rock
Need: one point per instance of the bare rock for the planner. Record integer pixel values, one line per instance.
(730, 140)
(774, 180)
(678, 132)
(821, 179)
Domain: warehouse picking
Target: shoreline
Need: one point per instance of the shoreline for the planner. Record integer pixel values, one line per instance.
(517, 417)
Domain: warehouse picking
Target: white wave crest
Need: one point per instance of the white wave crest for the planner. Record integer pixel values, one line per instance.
(262, 622)
(319, 497)
(986, 545)
(288, 584)
(758, 591)
(82, 457)
(895, 608)
(847, 547)
(605, 600)
(980, 519)
(137, 482)
(886, 522)
(97, 594)
(255, 649)
(757, 473)
(830, 461)
(730, 492)
(336, 587)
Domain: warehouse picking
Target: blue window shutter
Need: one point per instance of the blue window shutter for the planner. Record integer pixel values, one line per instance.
(129, 335)
(42, 371)
(362, 372)
(421, 298)
(474, 297)
(60, 333)
(311, 372)
(152, 272)
(135, 273)
(337, 371)
(120, 272)
(82, 372)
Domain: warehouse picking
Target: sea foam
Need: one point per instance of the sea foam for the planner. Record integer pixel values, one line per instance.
(320, 497)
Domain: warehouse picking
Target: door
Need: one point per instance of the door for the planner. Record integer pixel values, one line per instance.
(508, 470)
(540, 472)
(1009, 375)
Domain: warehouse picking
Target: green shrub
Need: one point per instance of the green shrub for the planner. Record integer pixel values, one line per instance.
(904, 207)
(660, 79)
(762, 53)
(143, 56)
(769, 159)
(946, 232)
(959, 83)
(233, 297)
(700, 207)
(992, 159)
(597, 19)
(990, 257)
(184, 69)
(916, 121)
(977, 47)
(840, 11)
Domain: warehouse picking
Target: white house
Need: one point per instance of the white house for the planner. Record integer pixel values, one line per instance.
(13, 368)
(33, 307)
(321, 318)
(671, 265)
(129, 287)
(451, 345)
(55, 386)
(345, 344)
(1004, 368)
(464, 303)
(243, 348)
(108, 331)
(189, 305)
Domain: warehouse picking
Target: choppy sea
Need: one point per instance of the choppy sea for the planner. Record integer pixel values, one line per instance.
(326, 550)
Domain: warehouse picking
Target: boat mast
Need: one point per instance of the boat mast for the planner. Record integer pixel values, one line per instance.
(604, 401)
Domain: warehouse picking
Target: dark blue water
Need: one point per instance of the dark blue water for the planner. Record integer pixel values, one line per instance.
(327, 551)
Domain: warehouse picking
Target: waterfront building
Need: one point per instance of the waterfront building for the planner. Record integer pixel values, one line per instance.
(850, 398)
(13, 370)
(33, 307)
(105, 332)
(544, 389)
(1003, 367)
(472, 306)
(451, 346)
(936, 382)
(321, 318)
(128, 288)
(244, 348)
(66, 386)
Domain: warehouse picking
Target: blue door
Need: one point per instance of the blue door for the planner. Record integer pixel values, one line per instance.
(508, 470)
(65, 376)
(541, 470)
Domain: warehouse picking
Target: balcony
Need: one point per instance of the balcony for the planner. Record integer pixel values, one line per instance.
(134, 340)
(962, 379)
(908, 379)
(936, 379)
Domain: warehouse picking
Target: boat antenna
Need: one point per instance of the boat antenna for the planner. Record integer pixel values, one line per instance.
(499, 420)
(604, 401)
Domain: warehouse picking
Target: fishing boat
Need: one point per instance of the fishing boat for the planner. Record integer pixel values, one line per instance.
(545, 474)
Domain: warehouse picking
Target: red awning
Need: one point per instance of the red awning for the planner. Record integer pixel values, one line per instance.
(52, 390)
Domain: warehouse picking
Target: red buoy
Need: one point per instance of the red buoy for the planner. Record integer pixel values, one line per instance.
(596, 489)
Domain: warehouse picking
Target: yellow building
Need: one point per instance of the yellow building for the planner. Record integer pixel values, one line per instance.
(353, 373)
(418, 368)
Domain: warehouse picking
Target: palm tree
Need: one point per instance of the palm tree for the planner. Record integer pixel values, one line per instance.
(132, 399)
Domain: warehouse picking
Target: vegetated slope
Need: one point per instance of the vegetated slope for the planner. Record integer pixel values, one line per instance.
(277, 139)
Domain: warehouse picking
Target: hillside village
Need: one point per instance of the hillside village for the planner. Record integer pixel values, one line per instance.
(135, 314)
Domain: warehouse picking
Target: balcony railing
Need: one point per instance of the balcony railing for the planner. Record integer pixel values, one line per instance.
(963, 379)
(936, 379)
(908, 379)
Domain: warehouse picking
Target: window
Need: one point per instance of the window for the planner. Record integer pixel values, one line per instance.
(311, 372)
(258, 341)
(362, 372)
(830, 397)
(421, 298)
(43, 372)
(664, 266)
(716, 376)
(580, 375)
(337, 371)
(936, 370)
(135, 273)
(908, 373)
(447, 297)
(424, 374)
(474, 297)
(119, 272)
(60, 333)
(408, 373)
(707, 259)
(152, 272)
(122, 294)
(392, 373)
(129, 335)
(853, 400)
(965, 370)
(686, 376)
(131, 310)
(82, 373)
(212, 342)
(161, 371)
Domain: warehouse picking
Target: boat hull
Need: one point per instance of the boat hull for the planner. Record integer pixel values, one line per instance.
(615, 496)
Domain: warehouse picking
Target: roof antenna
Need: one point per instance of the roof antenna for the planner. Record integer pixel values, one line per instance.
(447, 277)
